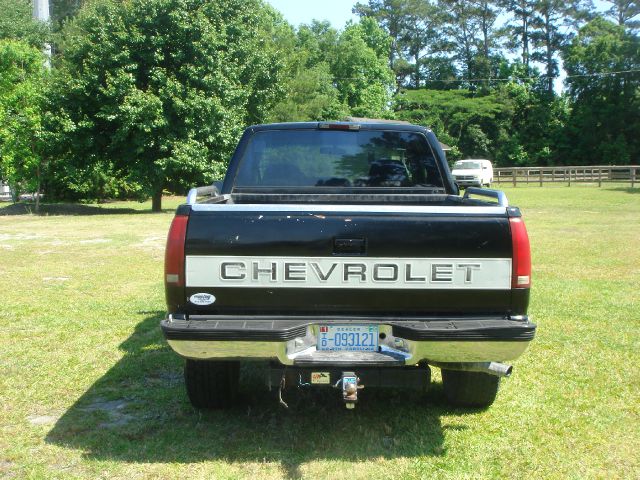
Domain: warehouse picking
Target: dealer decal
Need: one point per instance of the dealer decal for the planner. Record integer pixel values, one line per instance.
(320, 378)
(202, 299)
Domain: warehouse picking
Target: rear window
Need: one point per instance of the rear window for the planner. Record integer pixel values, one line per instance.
(467, 165)
(335, 158)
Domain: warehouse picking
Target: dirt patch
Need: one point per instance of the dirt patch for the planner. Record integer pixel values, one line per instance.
(5, 469)
(114, 410)
(95, 241)
(56, 279)
(58, 243)
(165, 379)
(18, 236)
(106, 405)
(43, 419)
(152, 243)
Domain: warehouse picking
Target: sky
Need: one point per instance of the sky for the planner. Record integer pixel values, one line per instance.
(338, 12)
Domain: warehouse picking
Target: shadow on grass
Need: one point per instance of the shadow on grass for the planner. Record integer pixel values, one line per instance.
(69, 209)
(635, 190)
(139, 412)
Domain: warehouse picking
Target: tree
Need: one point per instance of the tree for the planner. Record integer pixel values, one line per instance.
(155, 93)
(316, 43)
(361, 71)
(471, 124)
(423, 36)
(552, 28)
(413, 26)
(605, 118)
(16, 23)
(391, 16)
(624, 12)
(487, 13)
(518, 31)
(22, 93)
(547, 38)
(311, 95)
(63, 10)
(535, 133)
(470, 29)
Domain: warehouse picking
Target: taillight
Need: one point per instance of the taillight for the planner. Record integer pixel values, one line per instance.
(174, 254)
(339, 126)
(521, 275)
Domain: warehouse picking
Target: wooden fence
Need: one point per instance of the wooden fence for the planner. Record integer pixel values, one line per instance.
(591, 174)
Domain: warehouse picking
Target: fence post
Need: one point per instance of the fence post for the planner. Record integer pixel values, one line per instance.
(569, 177)
(599, 177)
(541, 177)
(514, 172)
(633, 177)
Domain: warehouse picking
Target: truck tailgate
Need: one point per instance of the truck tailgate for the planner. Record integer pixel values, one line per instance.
(315, 260)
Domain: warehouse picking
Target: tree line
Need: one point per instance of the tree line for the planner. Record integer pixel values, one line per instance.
(147, 96)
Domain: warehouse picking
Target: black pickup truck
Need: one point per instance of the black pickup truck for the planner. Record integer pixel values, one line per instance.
(342, 255)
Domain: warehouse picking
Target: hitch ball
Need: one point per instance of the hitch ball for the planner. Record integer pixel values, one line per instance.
(350, 388)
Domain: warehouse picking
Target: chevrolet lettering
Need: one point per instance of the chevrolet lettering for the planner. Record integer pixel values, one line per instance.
(280, 272)
(341, 255)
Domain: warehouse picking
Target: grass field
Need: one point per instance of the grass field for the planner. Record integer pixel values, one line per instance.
(89, 389)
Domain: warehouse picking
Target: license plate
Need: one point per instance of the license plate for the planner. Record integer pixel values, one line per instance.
(351, 338)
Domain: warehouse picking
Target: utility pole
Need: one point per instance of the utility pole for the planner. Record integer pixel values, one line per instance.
(41, 13)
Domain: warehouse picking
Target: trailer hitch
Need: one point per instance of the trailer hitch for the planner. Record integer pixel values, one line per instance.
(350, 386)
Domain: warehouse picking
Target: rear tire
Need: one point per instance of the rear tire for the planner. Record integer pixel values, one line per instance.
(470, 389)
(211, 384)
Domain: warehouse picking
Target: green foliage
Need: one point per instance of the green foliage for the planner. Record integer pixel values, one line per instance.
(605, 119)
(63, 10)
(415, 29)
(149, 95)
(156, 92)
(333, 74)
(362, 74)
(312, 96)
(458, 117)
(470, 29)
(309, 85)
(513, 125)
(625, 12)
(391, 16)
(22, 78)
(16, 23)
(533, 131)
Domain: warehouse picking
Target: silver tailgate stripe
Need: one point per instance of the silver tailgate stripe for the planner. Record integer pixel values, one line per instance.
(349, 272)
(301, 209)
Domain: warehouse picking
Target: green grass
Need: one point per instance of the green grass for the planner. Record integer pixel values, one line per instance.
(89, 389)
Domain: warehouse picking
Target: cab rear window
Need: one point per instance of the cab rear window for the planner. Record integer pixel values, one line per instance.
(334, 158)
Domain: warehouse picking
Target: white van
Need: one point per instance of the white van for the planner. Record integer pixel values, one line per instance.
(473, 173)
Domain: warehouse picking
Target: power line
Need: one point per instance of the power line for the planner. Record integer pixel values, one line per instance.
(513, 79)
(542, 77)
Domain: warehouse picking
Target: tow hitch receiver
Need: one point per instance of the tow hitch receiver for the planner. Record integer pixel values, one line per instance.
(350, 387)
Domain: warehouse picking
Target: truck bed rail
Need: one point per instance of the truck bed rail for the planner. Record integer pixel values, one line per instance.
(499, 196)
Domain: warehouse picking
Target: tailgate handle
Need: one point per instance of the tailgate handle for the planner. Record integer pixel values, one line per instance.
(350, 246)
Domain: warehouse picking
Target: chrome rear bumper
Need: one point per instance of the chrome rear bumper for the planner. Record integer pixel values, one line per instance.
(405, 342)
